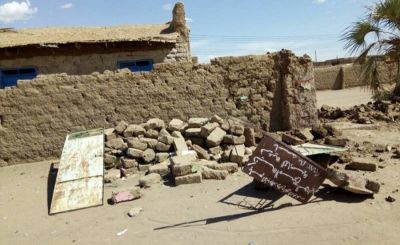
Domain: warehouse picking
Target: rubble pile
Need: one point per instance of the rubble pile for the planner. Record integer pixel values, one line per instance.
(387, 111)
(188, 151)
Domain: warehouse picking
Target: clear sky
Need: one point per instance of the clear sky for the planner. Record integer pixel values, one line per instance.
(218, 27)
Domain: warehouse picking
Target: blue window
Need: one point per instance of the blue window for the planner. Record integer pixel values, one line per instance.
(10, 76)
(136, 65)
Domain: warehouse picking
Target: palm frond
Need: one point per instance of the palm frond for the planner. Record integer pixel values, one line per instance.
(355, 35)
(387, 13)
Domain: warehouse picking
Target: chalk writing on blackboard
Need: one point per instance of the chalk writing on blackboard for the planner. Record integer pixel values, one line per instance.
(277, 165)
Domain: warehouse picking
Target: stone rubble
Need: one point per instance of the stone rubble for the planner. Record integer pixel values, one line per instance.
(186, 152)
(189, 152)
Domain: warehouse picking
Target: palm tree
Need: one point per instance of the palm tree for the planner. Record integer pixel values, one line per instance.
(376, 37)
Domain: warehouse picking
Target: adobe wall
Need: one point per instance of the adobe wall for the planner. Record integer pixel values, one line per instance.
(349, 75)
(88, 63)
(36, 115)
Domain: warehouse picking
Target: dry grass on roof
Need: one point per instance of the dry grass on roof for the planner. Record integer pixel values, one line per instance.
(53, 35)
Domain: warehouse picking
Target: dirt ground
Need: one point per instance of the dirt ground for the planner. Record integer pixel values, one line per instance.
(214, 212)
(348, 97)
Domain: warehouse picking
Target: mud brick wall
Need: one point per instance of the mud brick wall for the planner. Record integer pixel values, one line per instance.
(349, 75)
(274, 92)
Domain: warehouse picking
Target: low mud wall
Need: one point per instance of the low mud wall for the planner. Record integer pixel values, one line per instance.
(274, 92)
(349, 75)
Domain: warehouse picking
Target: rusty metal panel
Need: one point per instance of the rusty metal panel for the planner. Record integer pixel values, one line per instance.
(277, 165)
(79, 182)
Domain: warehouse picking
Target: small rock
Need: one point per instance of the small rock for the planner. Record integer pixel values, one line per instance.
(236, 129)
(161, 169)
(168, 140)
(133, 212)
(137, 144)
(161, 157)
(361, 164)
(151, 143)
(180, 146)
(112, 175)
(390, 199)
(149, 180)
(208, 173)
(164, 132)
(231, 139)
(134, 153)
(201, 152)
(121, 126)
(144, 167)
(134, 130)
(231, 167)
(197, 122)
(206, 130)
(248, 151)
(155, 123)
(216, 150)
(193, 132)
(129, 163)
(319, 132)
(188, 179)
(163, 147)
(110, 134)
(304, 134)
(332, 130)
(336, 141)
(176, 125)
(291, 140)
(117, 144)
(149, 155)
(216, 137)
(182, 165)
(373, 186)
(152, 133)
(109, 161)
(217, 119)
(250, 137)
(238, 154)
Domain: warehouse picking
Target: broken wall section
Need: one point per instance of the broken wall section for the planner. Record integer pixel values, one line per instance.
(273, 92)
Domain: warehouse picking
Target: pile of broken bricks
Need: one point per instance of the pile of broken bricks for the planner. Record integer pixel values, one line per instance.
(184, 152)
(345, 169)
(212, 148)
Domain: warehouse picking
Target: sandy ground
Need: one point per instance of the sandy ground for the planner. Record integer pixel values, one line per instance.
(214, 212)
(344, 98)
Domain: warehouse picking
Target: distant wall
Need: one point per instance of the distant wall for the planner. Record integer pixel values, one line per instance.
(36, 116)
(348, 75)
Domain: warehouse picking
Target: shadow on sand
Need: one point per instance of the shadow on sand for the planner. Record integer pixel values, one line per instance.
(51, 181)
(266, 203)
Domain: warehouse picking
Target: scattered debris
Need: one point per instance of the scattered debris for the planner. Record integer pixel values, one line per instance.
(149, 180)
(125, 196)
(362, 164)
(133, 212)
(354, 184)
(390, 199)
(122, 232)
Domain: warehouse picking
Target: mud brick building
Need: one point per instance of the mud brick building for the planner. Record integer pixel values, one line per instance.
(26, 53)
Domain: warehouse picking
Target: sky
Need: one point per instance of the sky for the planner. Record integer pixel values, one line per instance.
(218, 27)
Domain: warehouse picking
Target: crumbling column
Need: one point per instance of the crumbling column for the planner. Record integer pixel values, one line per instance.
(178, 24)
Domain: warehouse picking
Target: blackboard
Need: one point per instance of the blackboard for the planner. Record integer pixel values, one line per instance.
(280, 167)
